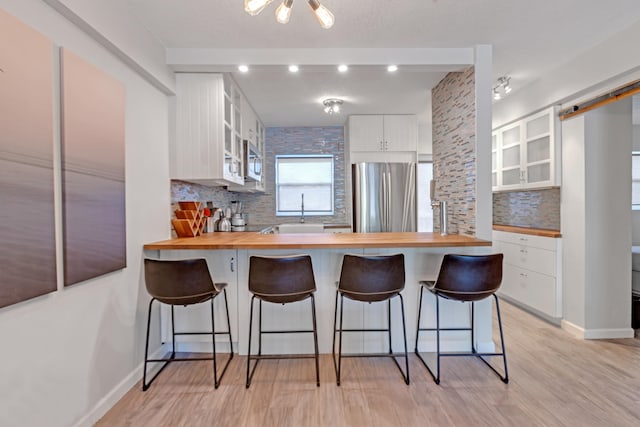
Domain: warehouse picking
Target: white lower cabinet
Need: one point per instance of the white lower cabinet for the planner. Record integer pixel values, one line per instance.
(531, 272)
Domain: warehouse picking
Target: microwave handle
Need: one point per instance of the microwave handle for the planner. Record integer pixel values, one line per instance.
(256, 170)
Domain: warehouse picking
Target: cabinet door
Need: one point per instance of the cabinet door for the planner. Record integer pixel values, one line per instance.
(538, 149)
(366, 133)
(510, 159)
(400, 133)
(495, 175)
(196, 152)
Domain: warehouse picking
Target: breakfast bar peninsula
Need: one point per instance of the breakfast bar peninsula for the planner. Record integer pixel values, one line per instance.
(228, 257)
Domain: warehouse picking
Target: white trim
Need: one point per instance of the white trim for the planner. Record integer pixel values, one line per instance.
(596, 334)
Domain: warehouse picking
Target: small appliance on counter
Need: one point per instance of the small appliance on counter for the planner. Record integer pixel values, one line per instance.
(224, 224)
(237, 217)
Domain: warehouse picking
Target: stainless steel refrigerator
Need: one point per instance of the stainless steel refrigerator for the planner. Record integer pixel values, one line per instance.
(384, 197)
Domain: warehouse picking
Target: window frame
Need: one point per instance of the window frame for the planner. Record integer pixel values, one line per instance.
(298, 212)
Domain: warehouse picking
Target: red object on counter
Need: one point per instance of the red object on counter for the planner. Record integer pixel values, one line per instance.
(207, 212)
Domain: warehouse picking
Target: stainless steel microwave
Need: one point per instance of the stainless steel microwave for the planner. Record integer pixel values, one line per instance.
(252, 162)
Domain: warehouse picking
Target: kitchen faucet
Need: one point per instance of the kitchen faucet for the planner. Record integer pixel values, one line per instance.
(302, 209)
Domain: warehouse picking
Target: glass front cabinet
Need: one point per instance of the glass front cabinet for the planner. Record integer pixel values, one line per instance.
(526, 153)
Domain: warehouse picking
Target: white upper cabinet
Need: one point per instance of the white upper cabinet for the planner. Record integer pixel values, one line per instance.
(208, 144)
(526, 154)
(383, 133)
(253, 134)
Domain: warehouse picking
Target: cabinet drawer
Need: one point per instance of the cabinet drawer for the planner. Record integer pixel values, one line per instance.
(534, 259)
(533, 289)
(548, 243)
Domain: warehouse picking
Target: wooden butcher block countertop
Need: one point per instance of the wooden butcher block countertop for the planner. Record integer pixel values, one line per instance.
(226, 240)
(526, 230)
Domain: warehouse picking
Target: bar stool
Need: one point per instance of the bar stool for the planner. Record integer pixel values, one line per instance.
(281, 280)
(464, 278)
(183, 282)
(371, 278)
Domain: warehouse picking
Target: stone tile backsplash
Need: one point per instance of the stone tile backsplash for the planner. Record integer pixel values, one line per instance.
(261, 207)
(454, 155)
(534, 208)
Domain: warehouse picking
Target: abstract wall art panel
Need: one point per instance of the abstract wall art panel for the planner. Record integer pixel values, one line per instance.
(93, 170)
(27, 232)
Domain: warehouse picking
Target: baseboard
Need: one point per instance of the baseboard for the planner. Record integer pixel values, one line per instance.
(118, 391)
(596, 334)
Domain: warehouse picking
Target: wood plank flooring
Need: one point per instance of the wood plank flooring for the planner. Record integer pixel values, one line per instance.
(555, 380)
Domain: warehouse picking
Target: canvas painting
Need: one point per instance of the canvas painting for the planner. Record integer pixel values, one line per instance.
(27, 232)
(93, 170)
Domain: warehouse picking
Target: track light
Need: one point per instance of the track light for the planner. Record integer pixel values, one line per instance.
(502, 87)
(332, 105)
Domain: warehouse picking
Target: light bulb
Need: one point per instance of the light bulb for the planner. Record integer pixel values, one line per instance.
(283, 12)
(496, 94)
(392, 68)
(336, 108)
(323, 15)
(293, 68)
(327, 109)
(507, 88)
(243, 68)
(343, 68)
(254, 7)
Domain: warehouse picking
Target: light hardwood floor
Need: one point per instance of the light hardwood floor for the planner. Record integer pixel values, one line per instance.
(555, 380)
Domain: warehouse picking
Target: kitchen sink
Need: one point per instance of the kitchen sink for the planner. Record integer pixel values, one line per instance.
(301, 228)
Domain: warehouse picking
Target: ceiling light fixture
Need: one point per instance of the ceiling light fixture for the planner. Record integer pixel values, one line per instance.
(392, 68)
(343, 68)
(293, 68)
(243, 68)
(332, 105)
(502, 87)
(283, 12)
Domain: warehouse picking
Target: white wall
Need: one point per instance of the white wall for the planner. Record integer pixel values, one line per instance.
(596, 222)
(573, 224)
(68, 356)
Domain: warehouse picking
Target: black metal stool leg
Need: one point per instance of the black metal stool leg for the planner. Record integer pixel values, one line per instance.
(226, 307)
(315, 339)
(419, 314)
(213, 345)
(173, 334)
(340, 339)
(504, 379)
(335, 326)
(437, 377)
(404, 333)
(473, 341)
(389, 324)
(145, 386)
(249, 372)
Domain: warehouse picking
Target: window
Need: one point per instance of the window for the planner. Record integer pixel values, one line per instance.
(635, 180)
(425, 210)
(310, 177)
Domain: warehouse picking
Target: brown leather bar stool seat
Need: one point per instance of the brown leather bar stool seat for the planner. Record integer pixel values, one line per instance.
(183, 283)
(370, 278)
(281, 280)
(464, 278)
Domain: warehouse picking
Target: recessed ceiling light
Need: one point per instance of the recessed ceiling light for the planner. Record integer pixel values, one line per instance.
(293, 68)
(243, 68)
(392, 68)
(343, 68)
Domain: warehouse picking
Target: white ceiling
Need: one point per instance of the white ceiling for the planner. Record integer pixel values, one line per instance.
(528, 37)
